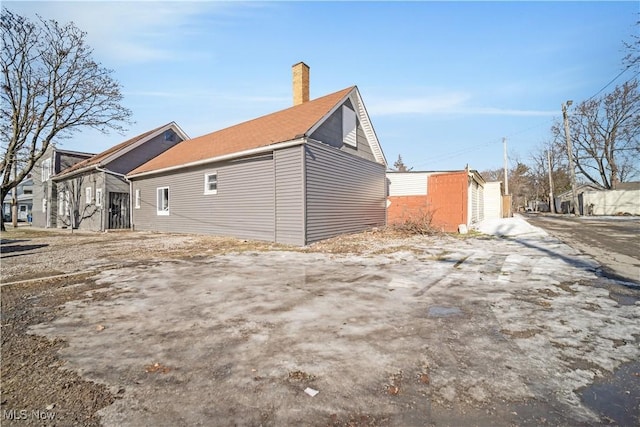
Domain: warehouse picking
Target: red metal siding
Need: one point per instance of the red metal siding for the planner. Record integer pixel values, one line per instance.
(447, 201)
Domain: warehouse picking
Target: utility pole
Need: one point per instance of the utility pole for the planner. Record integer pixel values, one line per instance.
(507, 198)
(552, 205)
(572, 171)
(506, 174)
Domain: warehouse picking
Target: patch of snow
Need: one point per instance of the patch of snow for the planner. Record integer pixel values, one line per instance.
(515, 226)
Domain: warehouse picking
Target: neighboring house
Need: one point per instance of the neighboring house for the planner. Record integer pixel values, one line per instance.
(24, 192)
(624, 199)
(45, 195)
(446, 198)
(295, 176)
(564, 201)
(94, 194)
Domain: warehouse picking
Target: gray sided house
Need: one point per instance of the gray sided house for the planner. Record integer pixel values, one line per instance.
(95, 194)
(296, 176)
(45, 194)
(24, 200)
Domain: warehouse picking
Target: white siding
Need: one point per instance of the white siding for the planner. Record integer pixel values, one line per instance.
(612, 202)
(492, 200)
(407, 183)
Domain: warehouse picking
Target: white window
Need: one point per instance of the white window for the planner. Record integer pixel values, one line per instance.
(211, 183)
(162, 206)
(348, 126)
(169, 135)
(137, 200)
(88, 195)
(46, 169)
(62, 202)
(99, 197)
(44, 205)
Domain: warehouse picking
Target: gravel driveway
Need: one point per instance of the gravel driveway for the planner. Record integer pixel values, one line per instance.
(186, 330)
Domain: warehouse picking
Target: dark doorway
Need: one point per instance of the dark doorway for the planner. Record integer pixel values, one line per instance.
(118, 210)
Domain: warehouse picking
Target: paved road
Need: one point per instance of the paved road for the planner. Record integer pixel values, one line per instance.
(613, 241)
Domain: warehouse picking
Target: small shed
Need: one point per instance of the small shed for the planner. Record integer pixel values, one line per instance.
(447, 199)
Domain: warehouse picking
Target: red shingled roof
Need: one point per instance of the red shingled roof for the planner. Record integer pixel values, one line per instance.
(281, 126)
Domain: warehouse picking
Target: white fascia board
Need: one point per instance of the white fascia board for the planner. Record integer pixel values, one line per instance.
(363, 117)
(370, 133)
(331, 111)
(259, 150)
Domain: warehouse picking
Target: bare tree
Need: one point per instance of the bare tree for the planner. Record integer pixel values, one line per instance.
(632, 59)
(400, 166)
(51, 89)
(493, 174)
(75, 211)
(605, 136)
(554, 153)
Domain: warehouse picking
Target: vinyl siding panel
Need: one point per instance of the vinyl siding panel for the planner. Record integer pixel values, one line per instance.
(88, 216)
(289, 187)
(142, 154)
(243, 206)
(408, 183)
(492, 200)
(477, 202)
(330, 133)
(344, 193)
(40, 190)
(47, 190)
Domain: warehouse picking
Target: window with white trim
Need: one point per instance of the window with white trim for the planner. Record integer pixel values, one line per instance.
(88, 196)
(46, 169)
(162, 201)
(349, 126)
(44, 205)
(99, 197)
(63, 196)
(137, 199)
(211, 183)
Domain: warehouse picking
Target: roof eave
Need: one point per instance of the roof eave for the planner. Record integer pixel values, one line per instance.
(230, 156)
(76, 172)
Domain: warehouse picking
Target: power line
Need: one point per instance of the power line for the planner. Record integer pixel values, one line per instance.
(547, 122)
(610, 82)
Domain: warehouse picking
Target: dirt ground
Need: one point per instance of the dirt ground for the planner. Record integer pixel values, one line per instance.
(153, 329)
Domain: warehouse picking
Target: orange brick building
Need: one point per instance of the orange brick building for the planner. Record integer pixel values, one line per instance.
(448, 199)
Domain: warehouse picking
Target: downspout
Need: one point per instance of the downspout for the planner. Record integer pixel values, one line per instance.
(131, 196)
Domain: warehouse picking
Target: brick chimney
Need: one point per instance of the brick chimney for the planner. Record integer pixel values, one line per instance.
(300, 83)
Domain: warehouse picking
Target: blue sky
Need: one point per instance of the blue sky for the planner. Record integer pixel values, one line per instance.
(443, 82)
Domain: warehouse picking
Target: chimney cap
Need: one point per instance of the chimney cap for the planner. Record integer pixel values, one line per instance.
(298, 63)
